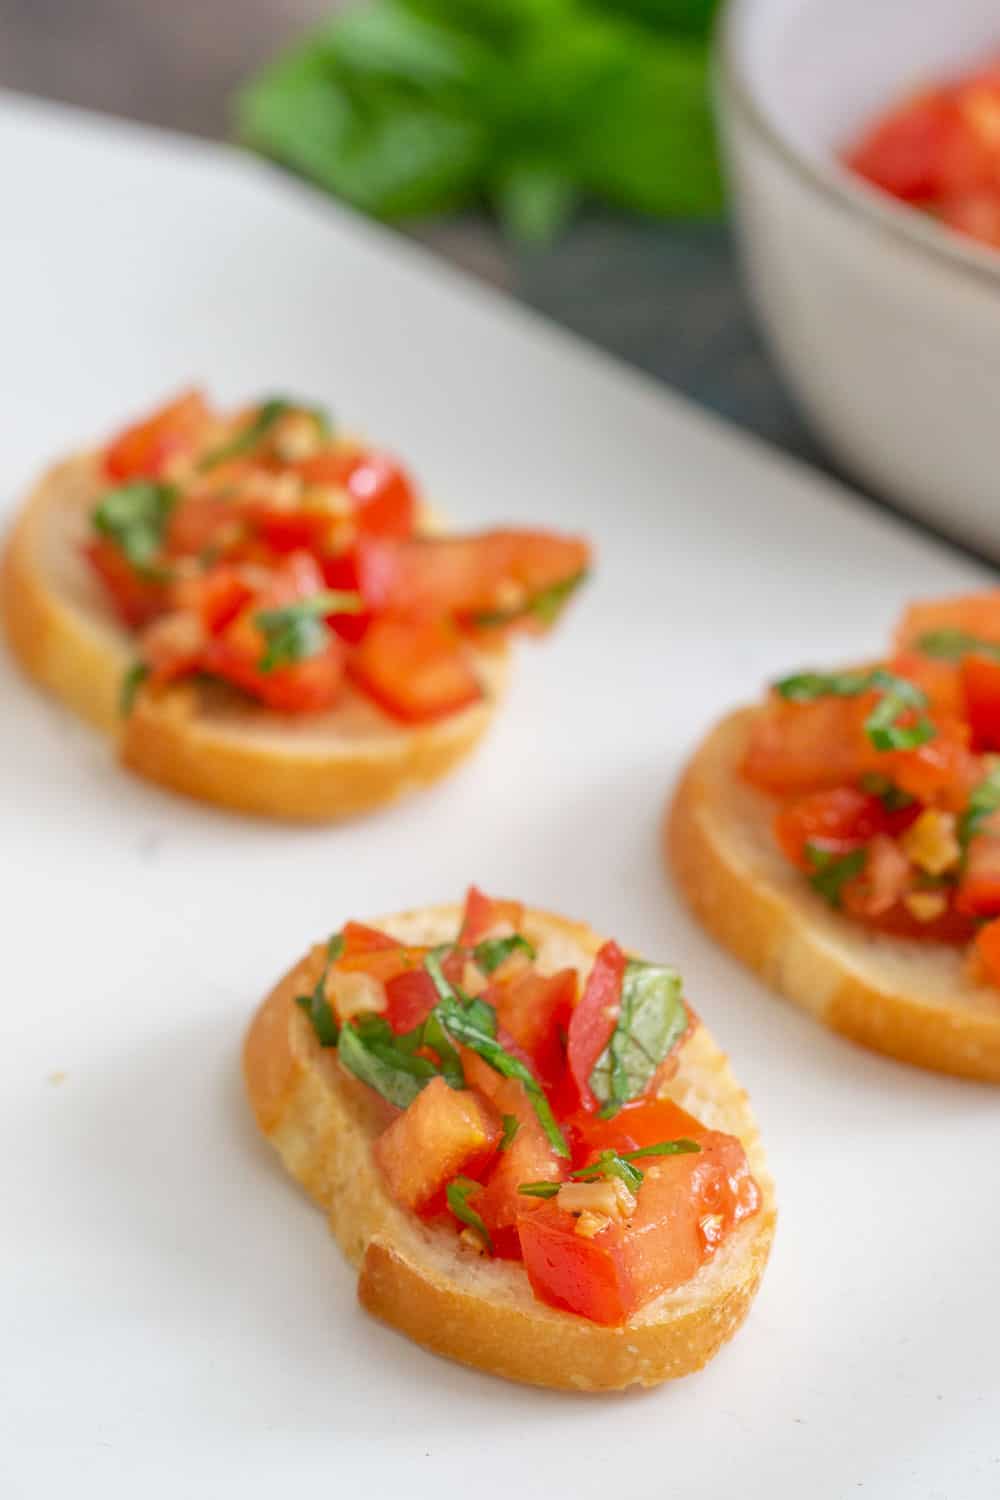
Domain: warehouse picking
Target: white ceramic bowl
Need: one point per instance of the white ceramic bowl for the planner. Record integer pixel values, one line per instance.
(885, 324)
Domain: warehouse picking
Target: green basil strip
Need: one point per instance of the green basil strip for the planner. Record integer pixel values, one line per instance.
(132, 680)
(539, 1189)
(899, 696)
(511, 1125)
(492, 952)
(433, 1035)
(610, 1164)
(545, 606)
(983, 802)
(317, 1008)
(335, 947)
(682, 1147)
(134, 517)
(806, 687)
(831, 873)
(268, 414)
(464, 1027)
(370, 1052)
(458, 1192)
(651, 1019)
(297, 632)
(952, 645)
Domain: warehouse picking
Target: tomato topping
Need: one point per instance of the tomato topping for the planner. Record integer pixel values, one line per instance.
(805, 747)
(593, 1019)
(357, 938)
(485, 917)
(988, 950)
(535, 1010)
(146, 448)
(981, 684)
(416, 672)
(137, 597)
(979, 888)
(384, 500)
(444, 1133)
(528, 1158)
(837, 820)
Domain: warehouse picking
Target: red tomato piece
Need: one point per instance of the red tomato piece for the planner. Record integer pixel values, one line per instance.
(593, 1019)
(215, 597)
(904, 152)
(136, 598)
(357, 938)
(528, 1158)
(981, 683)
(975, 214)
(411, 998)
(973, 614)
(943, 771)
(645, 1122)
(485, 917)
(838, 820)
(979, 888)
(291, 530)
(536, 1009)
(146, 448)
(940, 680)
(806, 747)
(384, 499)
(172, 647)
(988, 950)
(443, 1134)
(415, 671)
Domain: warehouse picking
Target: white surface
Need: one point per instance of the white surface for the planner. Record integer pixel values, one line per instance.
(174, 1319)
(886, 324)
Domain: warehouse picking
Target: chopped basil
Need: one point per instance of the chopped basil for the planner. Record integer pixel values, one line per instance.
(898, 696)
(511, 1125)
(492, 952)
(132, 680)
(433, 1035)
(317, 1008)
(831, 873)
(613, 1164)
(473, 1023)
(134, 517)
(952, 645)
(267, 415)
(297, 632)
(335, 947)
(458, 1192)
(372, 1052)
(545, 606)
(892, 797)
(651, 1018)
(983, 801)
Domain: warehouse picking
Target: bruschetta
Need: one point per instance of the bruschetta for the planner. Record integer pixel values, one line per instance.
(843, 839)
(525, 1140)
(261, 614)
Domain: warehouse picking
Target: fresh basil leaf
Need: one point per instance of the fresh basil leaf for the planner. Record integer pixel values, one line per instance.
(335, 947)
(371, 1054)
(892, 797)
(539, 1189)
(458, 1192)
(983, 802)
(317, 1008)
(132, 680)
(545, 606)
(682, 1147)
(297, 632)
(611, 1164)
(436, 1038)
(511, 1125)
(831, 873)
(492, 952)
(462, 1027)
(652, 1017)
(134, 516)
(898, 697)
(952, 645)
(806, 687)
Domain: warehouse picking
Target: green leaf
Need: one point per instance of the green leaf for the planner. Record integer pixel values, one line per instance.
(539, 1189)
(335, 947)
(806, 687)
(610, 1164)
(952, 645)
(899, 696)
(492, 952)
(466, 1027)
(546, 607)
(297, 632)
(511, 1125)
(651, 1019)
(613, 1164)
(458, 1192)
(830, 873)
(435, 1037)
(134, 516)
(371, 1052)
(682, 1147)
(132, 680)
(983, 802)
(317, 1008)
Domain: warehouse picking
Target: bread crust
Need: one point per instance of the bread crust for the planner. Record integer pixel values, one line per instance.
(201, 739)
(908, 999)
(423, 1280)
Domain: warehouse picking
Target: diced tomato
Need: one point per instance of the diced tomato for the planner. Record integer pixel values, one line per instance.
(904, 152)
(466, 576)
(137, 598)
(443, 1134)
(943, 771)
(215, 597)
(805, 747)
(981, 683)
(645, 1122)
(838, 820)
(528, 1158)
(146, 448)
(972, 614)
(203, 524)
(415, 671)
(172, 647)
(593, 1019)
(974, 214)
(357, 938)
(291, 530)
(536, 1009)
(685, 1207)
(886, 878)
(411, 998)
(385, 503)
(988, 950)
(979, 888)
(940, 681)
(485, 917)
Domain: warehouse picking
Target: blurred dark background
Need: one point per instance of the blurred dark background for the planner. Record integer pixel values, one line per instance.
(663, 296)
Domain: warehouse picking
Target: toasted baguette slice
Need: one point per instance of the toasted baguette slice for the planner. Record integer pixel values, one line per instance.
(913, 1000)
(424, 1280)
(199, 738)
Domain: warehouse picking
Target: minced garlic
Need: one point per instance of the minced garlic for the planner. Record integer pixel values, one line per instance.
(607, 1196)
(931, 843)
(926, 906)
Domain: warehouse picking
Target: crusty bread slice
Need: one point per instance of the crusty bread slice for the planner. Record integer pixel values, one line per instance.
(425, 1280)
(201, 738)
(913, 1000)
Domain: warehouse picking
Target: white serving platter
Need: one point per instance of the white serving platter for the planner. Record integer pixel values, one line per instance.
(174, 1319)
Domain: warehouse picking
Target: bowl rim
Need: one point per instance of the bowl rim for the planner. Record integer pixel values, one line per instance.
(837, 184)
